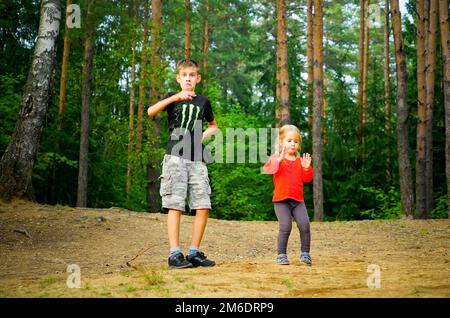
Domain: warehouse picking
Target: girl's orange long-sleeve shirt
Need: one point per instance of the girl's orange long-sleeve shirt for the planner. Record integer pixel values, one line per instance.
(288, 178)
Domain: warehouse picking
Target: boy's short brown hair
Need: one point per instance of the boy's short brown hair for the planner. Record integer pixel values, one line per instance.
(187, 63)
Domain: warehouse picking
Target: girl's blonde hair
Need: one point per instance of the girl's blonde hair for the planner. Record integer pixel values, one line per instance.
(284, 131)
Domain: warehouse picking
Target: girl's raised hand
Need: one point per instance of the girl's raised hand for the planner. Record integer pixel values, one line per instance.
(306, 160)
(281, 156)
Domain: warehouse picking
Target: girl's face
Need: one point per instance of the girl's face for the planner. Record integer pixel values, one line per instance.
(291, 143)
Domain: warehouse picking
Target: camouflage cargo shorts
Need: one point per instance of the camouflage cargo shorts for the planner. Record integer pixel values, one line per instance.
(183, 179)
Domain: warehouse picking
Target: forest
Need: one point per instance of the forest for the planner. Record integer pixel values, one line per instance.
(366, 81)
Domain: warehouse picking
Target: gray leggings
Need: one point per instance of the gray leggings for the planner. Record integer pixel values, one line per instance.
(285, 211)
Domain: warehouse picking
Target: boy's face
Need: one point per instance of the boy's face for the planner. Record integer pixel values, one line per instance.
(188, 77)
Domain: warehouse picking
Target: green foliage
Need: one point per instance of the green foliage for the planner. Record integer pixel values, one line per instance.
(387, 203)
(50, 159)
(108, 157)
(10, 99)
(441, 209)
(239, 190)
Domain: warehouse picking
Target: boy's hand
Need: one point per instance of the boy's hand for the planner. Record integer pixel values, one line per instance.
(306, 160)
(183, 96)
(152, 111)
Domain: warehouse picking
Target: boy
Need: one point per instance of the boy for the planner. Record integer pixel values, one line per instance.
(184, 174)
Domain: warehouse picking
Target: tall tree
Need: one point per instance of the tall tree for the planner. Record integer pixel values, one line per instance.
(387, 85)
(131, 119)
(156, 83)
(406, 190)
(429, 100)
(310, 60)
(187, 29)
(426, 64)
(17, 163)
(317, 113)
(362, 65)
(62, 96)
(142, 79)
(131, 133)
(282, 111)
(155, 52)
(205, 44)
(86, 92)
(445, 43)
(63, 81)
(421, 110)
(365, 74)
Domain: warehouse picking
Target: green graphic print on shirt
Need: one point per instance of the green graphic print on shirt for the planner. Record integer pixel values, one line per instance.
(189, 116)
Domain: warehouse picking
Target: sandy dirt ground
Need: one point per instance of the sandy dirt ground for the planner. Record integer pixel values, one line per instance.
(40, 243)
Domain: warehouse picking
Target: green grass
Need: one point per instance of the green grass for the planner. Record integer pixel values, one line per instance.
(153, 276)
(130, 289)
(49, 281)
(158, 288)
(288, 283)
(179, 279)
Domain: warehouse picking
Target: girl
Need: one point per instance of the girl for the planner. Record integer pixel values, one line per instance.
(290, 171)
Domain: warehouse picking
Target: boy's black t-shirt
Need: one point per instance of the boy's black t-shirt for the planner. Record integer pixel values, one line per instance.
(185, 120)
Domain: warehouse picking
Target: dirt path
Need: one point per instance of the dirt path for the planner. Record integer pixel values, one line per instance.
(38, 242)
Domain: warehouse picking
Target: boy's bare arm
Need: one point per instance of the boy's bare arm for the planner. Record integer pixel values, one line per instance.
(153, 110)
(211, 130)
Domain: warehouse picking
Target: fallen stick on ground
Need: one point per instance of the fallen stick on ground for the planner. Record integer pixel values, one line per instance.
(139, 254)
(24, 232)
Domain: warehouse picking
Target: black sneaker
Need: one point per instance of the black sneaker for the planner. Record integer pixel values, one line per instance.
(178, 261)
(199, 259)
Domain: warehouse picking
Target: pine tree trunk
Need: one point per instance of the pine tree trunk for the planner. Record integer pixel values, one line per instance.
(406, 190)
(86, 91)
(430, 82)
(445, 43)
(387, 89)
(132, 13)
(63, 81)
(153, 171)
(62, 101)
(421, 111)
(17, 163)
(156, 81)
(205, 46)
(310, 61)
(361, 57)
(142, 80)
(282, 111)
(187, 29)
(324, 105)
(365, 80)
(387, 78)
(365, 68)
(317, 113)
(131, 120)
